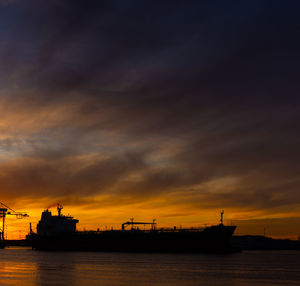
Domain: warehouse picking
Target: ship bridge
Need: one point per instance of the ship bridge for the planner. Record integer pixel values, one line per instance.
(53, 225)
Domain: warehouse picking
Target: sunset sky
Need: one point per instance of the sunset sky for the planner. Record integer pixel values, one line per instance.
(171, 110)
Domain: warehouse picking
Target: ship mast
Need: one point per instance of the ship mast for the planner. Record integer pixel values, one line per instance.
(59, 208)
(221, 220)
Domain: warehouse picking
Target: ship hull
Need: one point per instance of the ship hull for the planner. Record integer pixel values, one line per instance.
(214, 239)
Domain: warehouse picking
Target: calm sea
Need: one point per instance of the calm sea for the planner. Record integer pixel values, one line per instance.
(21, 266)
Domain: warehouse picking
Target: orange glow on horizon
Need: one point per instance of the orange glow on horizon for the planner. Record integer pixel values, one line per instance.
(109, 217)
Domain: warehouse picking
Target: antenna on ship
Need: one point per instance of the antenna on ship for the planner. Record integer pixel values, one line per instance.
(222, 214)
(59, 208)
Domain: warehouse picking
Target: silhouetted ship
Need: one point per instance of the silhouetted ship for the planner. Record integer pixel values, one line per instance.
(58, 233)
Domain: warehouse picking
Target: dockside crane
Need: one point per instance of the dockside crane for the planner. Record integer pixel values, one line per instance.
(4, 211)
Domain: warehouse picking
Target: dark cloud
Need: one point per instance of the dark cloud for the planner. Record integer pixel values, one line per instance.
(145, 99)
(54, 177)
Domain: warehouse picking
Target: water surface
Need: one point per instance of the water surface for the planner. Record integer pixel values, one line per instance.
(21, 266)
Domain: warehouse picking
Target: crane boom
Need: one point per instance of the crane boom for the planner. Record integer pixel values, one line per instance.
(4, 212)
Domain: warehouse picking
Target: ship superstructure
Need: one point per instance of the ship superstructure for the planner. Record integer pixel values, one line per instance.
(54, 225)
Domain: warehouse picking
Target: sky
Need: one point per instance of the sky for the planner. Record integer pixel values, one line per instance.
(173, 110)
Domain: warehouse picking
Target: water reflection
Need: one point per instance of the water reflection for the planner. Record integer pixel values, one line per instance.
(55, 269)
(27, 267)
(14, 270)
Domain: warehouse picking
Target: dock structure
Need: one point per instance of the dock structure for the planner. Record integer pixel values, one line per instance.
(5, 211)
